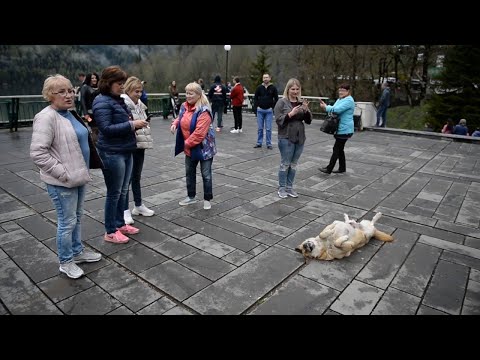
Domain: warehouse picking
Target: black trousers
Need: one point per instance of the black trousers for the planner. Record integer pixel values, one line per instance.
(339, 154)
(237, 116)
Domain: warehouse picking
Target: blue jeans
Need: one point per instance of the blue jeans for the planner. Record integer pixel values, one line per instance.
(116, 172)
(289, 155)
(217, 108)
(191, 172)
(68, 203)
(382, 115)
(138, 159)
(264, 119)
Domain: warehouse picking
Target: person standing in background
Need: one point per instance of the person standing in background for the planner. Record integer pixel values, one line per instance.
(237, 96)
(78, 98)
(218, 97)
(88, 92)
(228, 103)
(63, 151)
(144, 97)
(266, 96)
(290, 114)
(133, 91)
(116, 142)
(383, 105)
(202, 85)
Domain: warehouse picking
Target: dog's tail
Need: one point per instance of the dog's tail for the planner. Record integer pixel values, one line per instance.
(380, 235)
(376, 217)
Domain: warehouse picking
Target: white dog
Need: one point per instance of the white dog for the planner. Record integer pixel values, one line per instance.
(341, 238)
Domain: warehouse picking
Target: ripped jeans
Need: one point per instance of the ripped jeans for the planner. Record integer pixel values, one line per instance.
(289, 153)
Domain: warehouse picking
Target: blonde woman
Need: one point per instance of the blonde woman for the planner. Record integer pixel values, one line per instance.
(194, 123)
(133, 91)
(290, 114)
(63, 151)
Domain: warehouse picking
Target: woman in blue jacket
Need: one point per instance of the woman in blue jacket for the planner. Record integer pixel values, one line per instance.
(115, 144)
(344, 107)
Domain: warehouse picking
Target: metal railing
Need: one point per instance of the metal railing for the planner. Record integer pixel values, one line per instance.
(19, 110)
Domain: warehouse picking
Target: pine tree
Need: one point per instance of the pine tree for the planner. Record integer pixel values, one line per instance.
(458, 93)
(258, 68)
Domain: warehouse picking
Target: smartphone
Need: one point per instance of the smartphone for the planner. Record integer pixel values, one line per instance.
(149, 117)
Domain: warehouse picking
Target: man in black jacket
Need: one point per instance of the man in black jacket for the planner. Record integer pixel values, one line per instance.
(218, 97)
(265, 98)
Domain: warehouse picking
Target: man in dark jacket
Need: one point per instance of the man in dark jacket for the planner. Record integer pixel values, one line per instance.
(218, 97)
(266, 96)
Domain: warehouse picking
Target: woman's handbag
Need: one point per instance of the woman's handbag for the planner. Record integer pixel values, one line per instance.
(330, 124)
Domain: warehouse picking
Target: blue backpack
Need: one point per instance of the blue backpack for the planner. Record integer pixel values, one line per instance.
(207, 148)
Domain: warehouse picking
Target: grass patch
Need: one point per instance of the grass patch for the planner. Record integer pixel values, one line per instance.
(406, 117)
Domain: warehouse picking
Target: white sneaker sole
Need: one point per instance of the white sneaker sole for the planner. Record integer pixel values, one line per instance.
(71, 277)
(86, 261)
(190, 203)
(139, 213)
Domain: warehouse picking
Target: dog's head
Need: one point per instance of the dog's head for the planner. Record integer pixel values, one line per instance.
(306, 247)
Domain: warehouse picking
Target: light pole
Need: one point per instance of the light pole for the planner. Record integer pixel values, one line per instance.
(227, 49)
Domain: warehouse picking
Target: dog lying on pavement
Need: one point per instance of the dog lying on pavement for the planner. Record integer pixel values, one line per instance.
(341, 238)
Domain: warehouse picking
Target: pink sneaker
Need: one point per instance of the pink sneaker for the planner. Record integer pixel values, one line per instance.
(117, 237)
(128, 229)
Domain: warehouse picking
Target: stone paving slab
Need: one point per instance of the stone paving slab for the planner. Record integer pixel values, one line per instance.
(238, 257)
(447, 288)
(239, 290)
(396, 302)
(298, 296)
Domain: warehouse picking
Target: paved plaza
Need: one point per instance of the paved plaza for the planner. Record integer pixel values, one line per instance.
(238, 257)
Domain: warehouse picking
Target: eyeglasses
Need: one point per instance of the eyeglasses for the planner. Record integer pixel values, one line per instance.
(64, 93)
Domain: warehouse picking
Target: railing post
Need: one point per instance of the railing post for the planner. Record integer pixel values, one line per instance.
(13, 109)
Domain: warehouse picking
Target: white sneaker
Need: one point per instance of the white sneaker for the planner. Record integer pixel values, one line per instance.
(234, 131)
(127, 216)
(87, 255)
(207, 205)
(71, 269)
(240, 130)
(142, 210)
(187, 201)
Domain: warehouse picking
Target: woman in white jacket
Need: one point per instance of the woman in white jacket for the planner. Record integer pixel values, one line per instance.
(133, 91)
(63, 151)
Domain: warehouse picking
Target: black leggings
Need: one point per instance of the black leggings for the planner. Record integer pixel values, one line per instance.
(339, 154)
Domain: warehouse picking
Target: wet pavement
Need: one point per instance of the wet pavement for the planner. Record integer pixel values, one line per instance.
(238, 257)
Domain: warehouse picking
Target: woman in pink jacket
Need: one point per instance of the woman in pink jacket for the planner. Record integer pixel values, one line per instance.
(196, 138)
(63, 150)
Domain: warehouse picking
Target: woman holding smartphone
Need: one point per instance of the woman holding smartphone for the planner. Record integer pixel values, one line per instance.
(133, 91)
(290, 114)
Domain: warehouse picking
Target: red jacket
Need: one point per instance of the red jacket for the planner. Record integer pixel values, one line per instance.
(200, 132)
(236, 95)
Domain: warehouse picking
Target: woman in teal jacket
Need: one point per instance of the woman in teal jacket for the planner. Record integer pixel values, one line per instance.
(344, 107)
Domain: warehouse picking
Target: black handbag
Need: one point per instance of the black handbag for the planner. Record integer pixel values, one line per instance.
(330, 124)
(95, 160)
